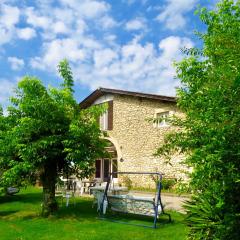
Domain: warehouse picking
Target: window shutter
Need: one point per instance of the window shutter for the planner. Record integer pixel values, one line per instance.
(110, 115)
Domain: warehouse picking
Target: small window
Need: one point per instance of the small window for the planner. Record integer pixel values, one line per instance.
(161, 119)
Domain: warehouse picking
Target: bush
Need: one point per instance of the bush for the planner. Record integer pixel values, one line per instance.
(168, 184)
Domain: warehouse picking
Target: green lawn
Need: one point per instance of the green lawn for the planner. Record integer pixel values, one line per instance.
(20, 220)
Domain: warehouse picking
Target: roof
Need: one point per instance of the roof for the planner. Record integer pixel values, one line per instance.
(89, 100)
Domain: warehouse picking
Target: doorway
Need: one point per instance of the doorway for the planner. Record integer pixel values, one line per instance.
(104, 167)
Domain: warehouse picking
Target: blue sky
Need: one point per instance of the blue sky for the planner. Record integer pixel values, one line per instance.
(125, 44)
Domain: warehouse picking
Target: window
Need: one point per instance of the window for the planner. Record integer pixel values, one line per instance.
(104, 166)
(106, 119)
(161, 119)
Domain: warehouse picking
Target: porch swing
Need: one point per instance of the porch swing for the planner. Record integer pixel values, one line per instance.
(150, 206)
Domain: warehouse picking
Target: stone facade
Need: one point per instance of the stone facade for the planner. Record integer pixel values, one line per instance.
(136, 138)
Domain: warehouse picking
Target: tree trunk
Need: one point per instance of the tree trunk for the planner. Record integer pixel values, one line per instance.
(48, 178)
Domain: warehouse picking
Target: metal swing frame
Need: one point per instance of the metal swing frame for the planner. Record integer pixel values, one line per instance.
(158, 201)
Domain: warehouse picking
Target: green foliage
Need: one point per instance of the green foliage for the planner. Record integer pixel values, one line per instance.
(210, 133)
(183, 187)
(127, 182)
(168, 184)
(45, 134)
(66, 73)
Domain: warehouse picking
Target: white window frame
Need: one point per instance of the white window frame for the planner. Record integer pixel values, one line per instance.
(103, 121)
(160, 116)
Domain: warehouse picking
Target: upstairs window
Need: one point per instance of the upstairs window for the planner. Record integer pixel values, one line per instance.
(106, 119)
(103, 121)
(161, 119)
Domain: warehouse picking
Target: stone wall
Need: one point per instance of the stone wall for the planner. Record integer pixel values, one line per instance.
(136, 138)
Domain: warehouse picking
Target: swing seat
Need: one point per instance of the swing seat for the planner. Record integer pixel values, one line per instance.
(138, 205)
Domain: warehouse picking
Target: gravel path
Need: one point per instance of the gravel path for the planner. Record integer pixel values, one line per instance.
(174, 202)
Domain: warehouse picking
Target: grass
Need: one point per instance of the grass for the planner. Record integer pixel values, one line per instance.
(20, 220)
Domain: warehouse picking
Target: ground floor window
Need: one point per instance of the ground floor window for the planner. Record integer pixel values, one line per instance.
(104, 167)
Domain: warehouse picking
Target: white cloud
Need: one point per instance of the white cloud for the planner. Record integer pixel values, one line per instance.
(104, 57)
(107, 22)
(6, 90)
(130, 2)
(37, 63)
(49, 21)
(136, 24)
(60, 27)
(55, 51)
(93, 9)
(173, 14)
(16, 63)
(170, 46)
(69, 18)
(26, 33)
(88, 8)
(36, 20)
(110, 38)
(9, 17)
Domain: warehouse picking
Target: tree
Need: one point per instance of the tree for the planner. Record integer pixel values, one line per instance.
(45, 134)
(210, 133)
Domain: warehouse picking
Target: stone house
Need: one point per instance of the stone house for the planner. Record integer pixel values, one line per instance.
(133, 139)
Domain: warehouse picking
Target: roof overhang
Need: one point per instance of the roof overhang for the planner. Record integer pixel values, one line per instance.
(89, 100)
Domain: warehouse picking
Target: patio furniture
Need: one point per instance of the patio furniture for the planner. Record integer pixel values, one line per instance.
(12, 190)
(64, 194)
(66, 191)
(86, 185)
(69, 195)
(98, 196)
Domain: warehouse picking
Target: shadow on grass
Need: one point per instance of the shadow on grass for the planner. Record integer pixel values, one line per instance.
(135, 219)
(8, 199)
(22, 197)
(81, 210)
(7, 213)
